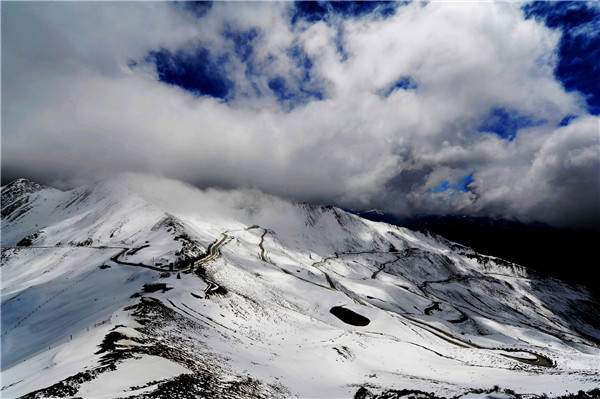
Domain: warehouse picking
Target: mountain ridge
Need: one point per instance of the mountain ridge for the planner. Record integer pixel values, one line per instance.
(247, 285)
(526, 244)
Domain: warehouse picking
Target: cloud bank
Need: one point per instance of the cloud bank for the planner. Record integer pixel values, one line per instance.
(418, 108)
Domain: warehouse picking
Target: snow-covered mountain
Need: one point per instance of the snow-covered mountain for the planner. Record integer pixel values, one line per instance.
(140, 286)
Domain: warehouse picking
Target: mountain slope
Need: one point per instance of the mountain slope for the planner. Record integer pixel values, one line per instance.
(561, 253)
(139, 286)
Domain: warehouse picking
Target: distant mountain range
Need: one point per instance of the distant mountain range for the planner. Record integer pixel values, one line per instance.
(144, 287)
(567, 254)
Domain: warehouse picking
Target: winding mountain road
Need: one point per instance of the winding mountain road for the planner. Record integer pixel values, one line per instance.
(536, 360)
(213, 252)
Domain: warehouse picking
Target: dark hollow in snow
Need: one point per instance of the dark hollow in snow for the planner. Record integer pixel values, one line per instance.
(349, 317)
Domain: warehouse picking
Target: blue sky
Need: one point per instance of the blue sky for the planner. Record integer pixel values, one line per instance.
(487, 109)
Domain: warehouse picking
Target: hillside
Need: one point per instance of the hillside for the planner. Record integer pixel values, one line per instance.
(139, 286)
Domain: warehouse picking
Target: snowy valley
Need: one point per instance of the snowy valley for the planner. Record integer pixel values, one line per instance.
(139, 286)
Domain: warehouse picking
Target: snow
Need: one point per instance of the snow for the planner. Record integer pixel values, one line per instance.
(130, 373)
(61, 293)
(59, 362)
(274, 324)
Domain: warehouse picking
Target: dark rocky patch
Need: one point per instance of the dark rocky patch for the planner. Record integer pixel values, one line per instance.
(593, 394)
(69, 386)
(109, 343)
(344, 352)
(364, 393)
(200, 271)
(214, 289)
(166, 335)
(28, 240)
(85, 243)
(206, 385)
(154, 287)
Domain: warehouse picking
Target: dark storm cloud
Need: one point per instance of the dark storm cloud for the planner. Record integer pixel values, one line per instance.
(415, 108)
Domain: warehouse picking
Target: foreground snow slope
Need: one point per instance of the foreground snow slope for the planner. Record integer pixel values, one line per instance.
(142, 286)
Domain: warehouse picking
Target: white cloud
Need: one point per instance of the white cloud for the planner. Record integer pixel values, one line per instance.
(73, 108)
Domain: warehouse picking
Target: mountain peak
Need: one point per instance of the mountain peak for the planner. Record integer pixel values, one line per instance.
(17, 193)
(21, 186)
(17, 188)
